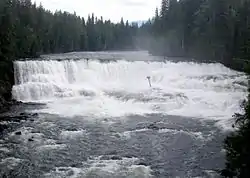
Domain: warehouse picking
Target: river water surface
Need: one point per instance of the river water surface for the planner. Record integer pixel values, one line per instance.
(98, 117)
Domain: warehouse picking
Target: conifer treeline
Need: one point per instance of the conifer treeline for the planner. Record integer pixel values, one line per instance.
(205, 29)
(29, 30)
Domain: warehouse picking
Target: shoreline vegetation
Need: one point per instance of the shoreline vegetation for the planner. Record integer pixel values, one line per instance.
(203, 30)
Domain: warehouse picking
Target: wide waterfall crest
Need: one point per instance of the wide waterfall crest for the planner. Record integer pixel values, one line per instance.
(97, 88)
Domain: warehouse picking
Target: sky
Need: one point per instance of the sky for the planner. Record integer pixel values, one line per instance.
(131, 10)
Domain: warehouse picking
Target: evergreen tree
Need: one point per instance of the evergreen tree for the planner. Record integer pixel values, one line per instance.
(27, 30)
(211, 30)
(164, 8)
(6, 30)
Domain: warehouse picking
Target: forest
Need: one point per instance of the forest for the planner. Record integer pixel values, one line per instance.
(28, 30)
(205, 30)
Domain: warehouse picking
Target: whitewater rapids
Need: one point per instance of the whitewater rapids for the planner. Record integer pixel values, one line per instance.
(120, 88)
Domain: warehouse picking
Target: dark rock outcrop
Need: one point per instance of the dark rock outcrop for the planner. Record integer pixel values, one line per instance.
(3, 127)
(6, 83)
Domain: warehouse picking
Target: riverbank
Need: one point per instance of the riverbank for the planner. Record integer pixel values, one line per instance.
(7, 103)
(6, 83)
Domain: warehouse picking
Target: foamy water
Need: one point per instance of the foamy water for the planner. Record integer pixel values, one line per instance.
(80, 88)
(99, 167)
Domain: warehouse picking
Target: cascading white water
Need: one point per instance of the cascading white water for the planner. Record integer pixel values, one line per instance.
(120, 88)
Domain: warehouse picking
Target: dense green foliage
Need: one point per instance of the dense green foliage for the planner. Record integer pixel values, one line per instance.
(238, 147)
(203, 29)
(29, 30)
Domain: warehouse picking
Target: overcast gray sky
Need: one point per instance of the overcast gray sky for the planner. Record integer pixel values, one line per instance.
(131, 10)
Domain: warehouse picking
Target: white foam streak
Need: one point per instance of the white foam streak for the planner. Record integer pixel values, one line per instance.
(50, 147)
(197, 135)
(72, 134)
(102, 168)
(127, 134)
(10, 162)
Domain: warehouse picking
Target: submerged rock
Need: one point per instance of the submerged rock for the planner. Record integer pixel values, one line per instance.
(109, 157)
(153, 127)
(63, 169)
(21, 117)
(130, 156)
(116, 158)
(18, 133)
(30, 139)
(3, 127)
(142, 164)
(34, 115)
(72, 129)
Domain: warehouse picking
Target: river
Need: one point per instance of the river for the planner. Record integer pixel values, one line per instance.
(98, 117)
